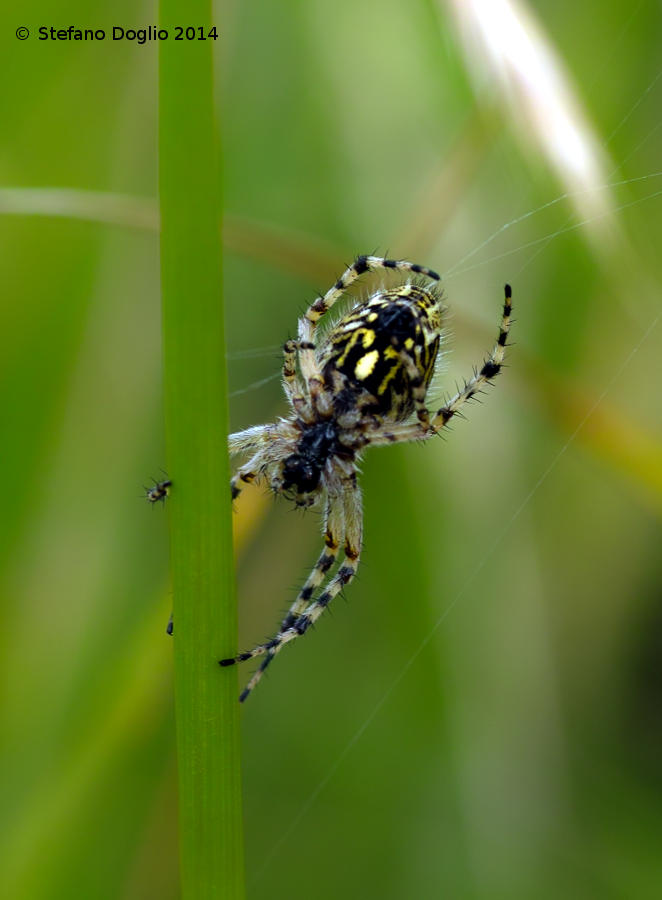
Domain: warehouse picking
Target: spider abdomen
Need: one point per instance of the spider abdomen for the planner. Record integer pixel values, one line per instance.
(385, 345)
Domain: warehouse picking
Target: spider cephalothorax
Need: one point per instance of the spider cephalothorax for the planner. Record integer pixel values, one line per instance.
(360, 386)
(303, 470)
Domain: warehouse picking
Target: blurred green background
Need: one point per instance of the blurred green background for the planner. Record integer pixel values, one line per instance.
(482, 718)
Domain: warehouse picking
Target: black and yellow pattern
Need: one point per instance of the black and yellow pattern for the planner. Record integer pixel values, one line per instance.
(361, 386)
(380, 343)
(158, 492)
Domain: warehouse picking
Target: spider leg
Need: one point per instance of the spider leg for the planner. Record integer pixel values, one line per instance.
(249, 439)
(294, 390)
(490, 369)
(246, 475)
(334, 534)
(265, 443)
(353, 538)
(290, 380)
(360, 265)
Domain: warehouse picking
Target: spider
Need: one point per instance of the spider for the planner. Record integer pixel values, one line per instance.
(158, 491)
(364, 385)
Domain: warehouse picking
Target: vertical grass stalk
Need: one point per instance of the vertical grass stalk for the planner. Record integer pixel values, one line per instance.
(211, 841)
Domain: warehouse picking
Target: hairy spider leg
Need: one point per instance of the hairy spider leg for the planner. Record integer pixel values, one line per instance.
(360, 265)
(248, 439)
(489, 370)
(351, 512)
(294, 389)
(352, 506)
(334, 532)
(334, 535)
(246, 475)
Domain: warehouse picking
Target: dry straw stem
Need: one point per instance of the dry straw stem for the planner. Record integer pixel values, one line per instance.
(510, 54)
(211, 841)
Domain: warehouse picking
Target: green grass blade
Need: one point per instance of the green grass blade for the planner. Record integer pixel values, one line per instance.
(211, 844)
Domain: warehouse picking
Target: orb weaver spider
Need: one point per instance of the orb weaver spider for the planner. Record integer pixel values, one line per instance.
(363, 385)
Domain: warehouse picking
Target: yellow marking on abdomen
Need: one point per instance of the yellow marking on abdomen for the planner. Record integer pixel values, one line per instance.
(365, 366)
(390, 353)
(348, 346)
